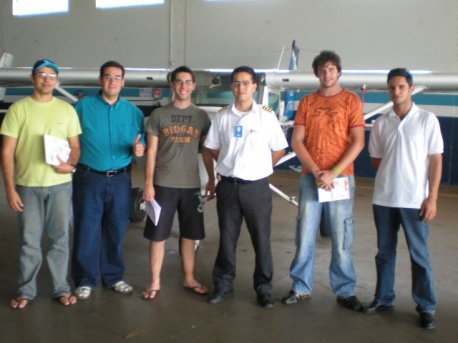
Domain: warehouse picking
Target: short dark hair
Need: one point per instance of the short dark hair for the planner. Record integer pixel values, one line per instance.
(111, 64)
(400, 72)
(244, 69)
(324, 57)
(182, 69)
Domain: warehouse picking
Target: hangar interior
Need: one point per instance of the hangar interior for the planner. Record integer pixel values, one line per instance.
(420, 35)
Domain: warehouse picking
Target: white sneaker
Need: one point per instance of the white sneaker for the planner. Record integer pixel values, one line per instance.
(122, 287)
(83, 292)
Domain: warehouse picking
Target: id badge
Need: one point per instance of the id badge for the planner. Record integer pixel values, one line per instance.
(238, 131)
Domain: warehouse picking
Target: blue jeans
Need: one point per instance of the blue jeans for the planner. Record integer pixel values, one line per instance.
(101, 212)
(388, 221)
(339, 217)
(45, 209)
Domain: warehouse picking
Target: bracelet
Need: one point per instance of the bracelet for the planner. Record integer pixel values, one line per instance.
(336, 170)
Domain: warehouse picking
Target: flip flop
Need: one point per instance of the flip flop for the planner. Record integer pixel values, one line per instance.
(19, 302)
(198, 289)
(66, 299)
(150, 294)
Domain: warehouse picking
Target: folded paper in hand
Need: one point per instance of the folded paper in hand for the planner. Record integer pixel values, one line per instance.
(55, 149)
(153, 210)
(340, 191)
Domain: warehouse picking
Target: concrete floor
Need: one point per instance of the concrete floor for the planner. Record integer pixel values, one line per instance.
(180, 316)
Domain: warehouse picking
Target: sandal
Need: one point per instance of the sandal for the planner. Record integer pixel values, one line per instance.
(150, 294)
(66, 299)
(198, 289)
(122, 287)
(19, 302)
(83, 292)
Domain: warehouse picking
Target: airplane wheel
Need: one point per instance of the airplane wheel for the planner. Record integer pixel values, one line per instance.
(137, 205)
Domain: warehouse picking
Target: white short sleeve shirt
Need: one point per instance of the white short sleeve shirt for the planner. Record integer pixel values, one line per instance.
(245, 141)
(404, 146)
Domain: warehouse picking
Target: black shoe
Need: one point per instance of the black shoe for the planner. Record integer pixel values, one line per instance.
(377, 306)
(219, 296)
(427, 321)
(293, 298)
(265, 300)
(352, 303)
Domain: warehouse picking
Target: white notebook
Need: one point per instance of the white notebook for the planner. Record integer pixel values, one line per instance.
(55, 149)
(340, 191)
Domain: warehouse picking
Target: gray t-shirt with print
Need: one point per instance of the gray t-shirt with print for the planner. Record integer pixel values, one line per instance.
(179, 132)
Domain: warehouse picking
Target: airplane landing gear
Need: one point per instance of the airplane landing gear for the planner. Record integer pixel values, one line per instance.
(137, 206)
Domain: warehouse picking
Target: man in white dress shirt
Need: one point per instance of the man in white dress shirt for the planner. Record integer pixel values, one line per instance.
(246, 140)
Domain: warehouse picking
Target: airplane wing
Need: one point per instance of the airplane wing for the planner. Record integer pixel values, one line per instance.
(135, 77)
(278, 79)
(357, 79)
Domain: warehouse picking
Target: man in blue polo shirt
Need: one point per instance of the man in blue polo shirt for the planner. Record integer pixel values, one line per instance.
(112, 129)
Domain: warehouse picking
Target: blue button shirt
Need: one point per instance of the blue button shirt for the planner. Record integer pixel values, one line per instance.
(108, 132)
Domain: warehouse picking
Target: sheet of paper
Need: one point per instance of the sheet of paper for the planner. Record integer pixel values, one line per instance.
(56, 148)
(340, 191)
(153, 210)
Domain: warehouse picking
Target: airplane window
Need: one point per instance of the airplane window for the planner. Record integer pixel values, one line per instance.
(125, 3)
(33, 7)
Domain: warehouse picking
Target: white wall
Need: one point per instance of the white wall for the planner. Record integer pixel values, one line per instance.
(87, 37)
(368, 34)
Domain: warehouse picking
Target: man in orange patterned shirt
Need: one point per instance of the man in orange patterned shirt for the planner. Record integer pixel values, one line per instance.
(328, 136)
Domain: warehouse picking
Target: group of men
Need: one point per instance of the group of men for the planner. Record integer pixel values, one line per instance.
(406, 149)
(246, 141)
(94, 183)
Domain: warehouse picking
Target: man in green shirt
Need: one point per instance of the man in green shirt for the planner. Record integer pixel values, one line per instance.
(40, 192)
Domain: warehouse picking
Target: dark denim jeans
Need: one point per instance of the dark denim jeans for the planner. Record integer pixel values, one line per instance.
(101, 211)
(388, 221)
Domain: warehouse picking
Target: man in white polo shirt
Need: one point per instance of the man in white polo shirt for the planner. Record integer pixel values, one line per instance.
(406, 148)
(246, 141)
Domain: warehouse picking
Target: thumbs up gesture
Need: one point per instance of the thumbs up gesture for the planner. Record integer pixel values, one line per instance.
(138, 149)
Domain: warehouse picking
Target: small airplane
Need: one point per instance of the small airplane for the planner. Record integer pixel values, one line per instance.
(278, 89)
(271, 81)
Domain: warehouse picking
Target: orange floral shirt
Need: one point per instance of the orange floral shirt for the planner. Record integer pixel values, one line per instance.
(327, 122)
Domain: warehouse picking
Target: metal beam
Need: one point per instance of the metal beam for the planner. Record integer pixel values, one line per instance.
(177, 32)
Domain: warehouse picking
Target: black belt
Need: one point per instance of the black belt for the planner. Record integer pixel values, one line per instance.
(107, 173)
(235, 180)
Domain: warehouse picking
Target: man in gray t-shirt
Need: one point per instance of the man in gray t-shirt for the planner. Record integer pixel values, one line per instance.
(179, 132)
(175, 133)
